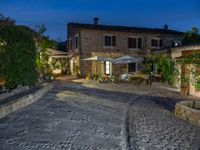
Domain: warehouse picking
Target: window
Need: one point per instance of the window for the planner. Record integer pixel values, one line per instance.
(156, 43)
(139, 42)
(161, 43)
(132, 67)
(107, 67)
(135, 43)
(110, 40)
(132, 43)
(76, 42)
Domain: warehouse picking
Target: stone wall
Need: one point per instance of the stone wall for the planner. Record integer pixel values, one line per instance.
(93, 40)
(185, 111)
(18, 90)
(116, 69)
(23, 101)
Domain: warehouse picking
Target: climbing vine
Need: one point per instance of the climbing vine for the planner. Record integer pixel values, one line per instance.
(167, 68)
(194, 61)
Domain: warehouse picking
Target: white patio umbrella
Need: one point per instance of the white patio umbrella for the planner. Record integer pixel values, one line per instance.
(127, 60)
(98, 58)
(101, 59)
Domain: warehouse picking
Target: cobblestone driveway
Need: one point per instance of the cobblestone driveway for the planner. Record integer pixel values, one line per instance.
(68, 117)
(72, 116)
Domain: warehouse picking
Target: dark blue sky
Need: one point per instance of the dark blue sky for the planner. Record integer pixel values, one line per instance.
(178, 14)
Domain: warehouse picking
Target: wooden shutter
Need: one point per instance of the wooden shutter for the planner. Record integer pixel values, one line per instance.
(139, 42)
(113, 41)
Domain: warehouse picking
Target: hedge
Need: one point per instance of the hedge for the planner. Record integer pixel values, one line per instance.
(17, 56)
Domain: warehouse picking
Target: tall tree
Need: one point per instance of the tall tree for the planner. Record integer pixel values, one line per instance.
(6, 20)
(191, 37)
(43, 44)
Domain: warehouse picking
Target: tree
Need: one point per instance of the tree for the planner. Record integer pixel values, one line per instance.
(168, 68)
(17, 56)
(165, 67)
(43, 44)
(191, 37)
(6, 20)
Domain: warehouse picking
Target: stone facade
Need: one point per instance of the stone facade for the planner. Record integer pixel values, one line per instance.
(90, 42)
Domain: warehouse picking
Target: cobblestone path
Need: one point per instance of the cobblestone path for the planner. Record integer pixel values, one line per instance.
(153, 128)
(68, 117)
(75, 117)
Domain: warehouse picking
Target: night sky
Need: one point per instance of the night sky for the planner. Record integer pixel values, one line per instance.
(55, 14)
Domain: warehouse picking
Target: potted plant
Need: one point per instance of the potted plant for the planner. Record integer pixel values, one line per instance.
(95, 77)
(88, 76)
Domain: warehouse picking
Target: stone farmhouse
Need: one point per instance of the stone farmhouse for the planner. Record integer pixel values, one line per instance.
(87, 40)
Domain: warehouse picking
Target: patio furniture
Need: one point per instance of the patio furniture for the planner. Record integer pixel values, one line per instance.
(127, 60)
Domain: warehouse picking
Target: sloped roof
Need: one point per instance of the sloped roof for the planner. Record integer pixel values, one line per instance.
(124, 28)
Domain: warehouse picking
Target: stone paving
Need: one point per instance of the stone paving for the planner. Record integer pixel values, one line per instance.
(152, 127)
(68, 117)
(79, 116)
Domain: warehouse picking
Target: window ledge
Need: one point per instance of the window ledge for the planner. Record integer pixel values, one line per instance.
(157, 47)
(135, 49)
(109, 47)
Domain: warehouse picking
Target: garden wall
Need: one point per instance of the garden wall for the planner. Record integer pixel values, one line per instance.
(189, 110)
(23, 101)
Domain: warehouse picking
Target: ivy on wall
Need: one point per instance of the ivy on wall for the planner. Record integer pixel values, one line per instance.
(17, 56)
(194, 59)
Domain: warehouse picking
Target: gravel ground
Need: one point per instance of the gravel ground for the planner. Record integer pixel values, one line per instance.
(99, 116)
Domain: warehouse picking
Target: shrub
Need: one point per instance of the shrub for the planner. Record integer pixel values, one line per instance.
(18, 56)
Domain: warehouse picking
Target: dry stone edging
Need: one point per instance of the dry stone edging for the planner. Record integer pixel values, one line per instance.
(23, 101)
(185, 111)
(18, 90)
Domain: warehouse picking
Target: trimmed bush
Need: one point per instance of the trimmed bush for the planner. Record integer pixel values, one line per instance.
(17, 56)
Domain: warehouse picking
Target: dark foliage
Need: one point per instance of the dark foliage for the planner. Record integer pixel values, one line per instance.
(17, 56)
(6, 20)
(191, 37)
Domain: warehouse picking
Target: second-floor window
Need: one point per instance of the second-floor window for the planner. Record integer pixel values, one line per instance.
(156, 43)
(110, 41)
(135, 43)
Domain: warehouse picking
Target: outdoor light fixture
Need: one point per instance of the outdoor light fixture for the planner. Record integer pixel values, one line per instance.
(2, 42)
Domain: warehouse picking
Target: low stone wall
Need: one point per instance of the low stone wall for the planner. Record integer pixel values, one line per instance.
(18, 90)
(23, 101)
(185, 111)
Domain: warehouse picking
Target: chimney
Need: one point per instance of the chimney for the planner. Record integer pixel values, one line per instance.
(96, 21)
(165, 27)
